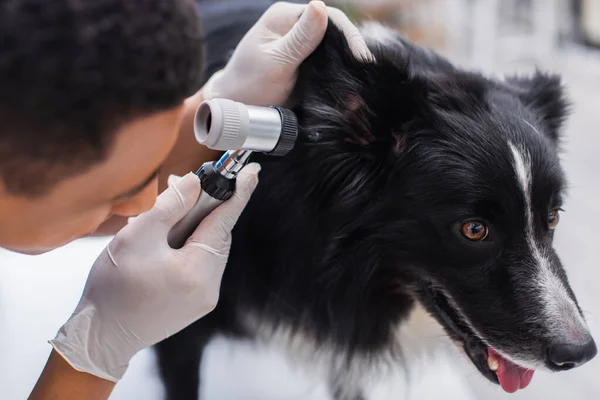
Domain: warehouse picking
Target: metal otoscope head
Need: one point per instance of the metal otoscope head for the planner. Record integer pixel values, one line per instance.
(222, 124)
(240, 130)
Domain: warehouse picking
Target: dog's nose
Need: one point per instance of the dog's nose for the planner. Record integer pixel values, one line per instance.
(563, 356)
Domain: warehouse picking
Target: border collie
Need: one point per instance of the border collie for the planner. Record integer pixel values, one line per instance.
(413, 182)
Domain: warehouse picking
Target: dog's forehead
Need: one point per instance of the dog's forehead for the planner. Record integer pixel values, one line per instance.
(534, 157)
(538, 173)
(493, 150)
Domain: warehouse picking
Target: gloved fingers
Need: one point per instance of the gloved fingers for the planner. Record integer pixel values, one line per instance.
(304, 36)
(174, 203)
(172, 180)
(208, 90)
(280, 17)
(214, 233)
(355, 40)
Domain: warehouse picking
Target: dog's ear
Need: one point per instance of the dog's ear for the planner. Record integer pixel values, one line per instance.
(544, 95)
(359, 102)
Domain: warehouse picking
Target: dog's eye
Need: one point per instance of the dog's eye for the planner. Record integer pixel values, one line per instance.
(474, 230)
(553, 219)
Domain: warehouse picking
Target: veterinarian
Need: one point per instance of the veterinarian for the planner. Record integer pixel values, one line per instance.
(95, 110)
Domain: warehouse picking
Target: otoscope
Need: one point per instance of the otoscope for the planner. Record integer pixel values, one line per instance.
(240, 129)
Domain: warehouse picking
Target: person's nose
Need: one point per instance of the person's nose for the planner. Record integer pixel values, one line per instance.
(139, 203)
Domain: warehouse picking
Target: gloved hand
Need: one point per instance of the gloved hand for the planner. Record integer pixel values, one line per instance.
(263, 68)
(141, 291)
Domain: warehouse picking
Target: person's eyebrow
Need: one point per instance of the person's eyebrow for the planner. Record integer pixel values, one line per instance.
(138, 188)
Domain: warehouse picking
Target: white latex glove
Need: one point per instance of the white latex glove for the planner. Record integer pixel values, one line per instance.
(263, 68)
(141, 291)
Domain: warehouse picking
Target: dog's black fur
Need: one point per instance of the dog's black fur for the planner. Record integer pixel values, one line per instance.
(364, 217)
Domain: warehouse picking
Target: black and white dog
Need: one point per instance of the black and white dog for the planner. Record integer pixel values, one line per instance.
(413, 182)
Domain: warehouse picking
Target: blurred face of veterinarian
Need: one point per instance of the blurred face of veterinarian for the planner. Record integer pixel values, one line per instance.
(124, 184)
(91, 102)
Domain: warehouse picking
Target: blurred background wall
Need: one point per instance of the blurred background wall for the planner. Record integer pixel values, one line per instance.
(485, 33)
(37, 294)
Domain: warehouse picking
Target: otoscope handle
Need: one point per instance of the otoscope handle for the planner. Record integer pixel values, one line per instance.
(215, 189)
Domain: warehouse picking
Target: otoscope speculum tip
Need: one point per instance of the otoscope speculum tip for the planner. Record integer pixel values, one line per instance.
(222, 124)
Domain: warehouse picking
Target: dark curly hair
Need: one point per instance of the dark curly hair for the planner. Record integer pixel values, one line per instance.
(72, 72)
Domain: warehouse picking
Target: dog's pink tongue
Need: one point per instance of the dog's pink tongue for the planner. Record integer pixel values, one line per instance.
(511, 376)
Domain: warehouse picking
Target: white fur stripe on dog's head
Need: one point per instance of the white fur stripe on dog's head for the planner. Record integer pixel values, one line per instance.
(561, 315)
